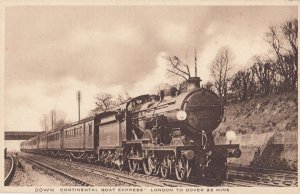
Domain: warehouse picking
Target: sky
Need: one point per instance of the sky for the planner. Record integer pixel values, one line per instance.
(52, 52)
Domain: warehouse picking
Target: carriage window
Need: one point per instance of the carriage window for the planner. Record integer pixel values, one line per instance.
(90, 129)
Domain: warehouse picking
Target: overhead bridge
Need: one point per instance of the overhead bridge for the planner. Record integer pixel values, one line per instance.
(20, 135)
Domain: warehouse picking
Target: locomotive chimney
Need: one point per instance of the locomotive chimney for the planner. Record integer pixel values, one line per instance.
(193, 82)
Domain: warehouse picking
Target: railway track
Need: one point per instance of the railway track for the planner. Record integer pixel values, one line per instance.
(95, 172)
(246, 183)
(75, 179)
(238, 176)
(264, 177)
(156, 181)
(12, 170)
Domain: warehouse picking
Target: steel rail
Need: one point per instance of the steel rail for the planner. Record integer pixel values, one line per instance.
(71, 177)
(98, 173)
(133, 179)
(11, 172)
(262, 176)
(270, 170)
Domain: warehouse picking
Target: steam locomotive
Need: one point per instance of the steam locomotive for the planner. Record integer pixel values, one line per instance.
(159, 134)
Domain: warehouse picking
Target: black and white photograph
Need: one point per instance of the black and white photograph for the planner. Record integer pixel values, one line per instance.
(149, 97)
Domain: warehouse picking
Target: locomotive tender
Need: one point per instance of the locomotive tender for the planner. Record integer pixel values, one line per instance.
(162, 134)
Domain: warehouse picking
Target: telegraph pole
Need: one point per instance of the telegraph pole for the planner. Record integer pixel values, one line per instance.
(195, 63)
(52, 119)
(78, 99)
(45, 122)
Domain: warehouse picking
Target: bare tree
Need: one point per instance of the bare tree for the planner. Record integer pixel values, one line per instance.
(178, 68)
(107, 102)
(61, 123)
(290, 32)
(49, 121)
(44, 123)
(208, 85)
(243, 85)
(219, 70)
(121, 98)
(285, 46)
(265, 73)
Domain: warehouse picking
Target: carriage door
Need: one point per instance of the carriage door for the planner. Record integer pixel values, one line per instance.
(62, 139)
(96, 135)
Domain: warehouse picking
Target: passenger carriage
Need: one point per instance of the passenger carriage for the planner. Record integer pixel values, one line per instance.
(78, 140)
(30, 146)
(54, 139)
(43, 144)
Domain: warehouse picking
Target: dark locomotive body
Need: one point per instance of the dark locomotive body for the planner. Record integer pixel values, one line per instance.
(162, 134)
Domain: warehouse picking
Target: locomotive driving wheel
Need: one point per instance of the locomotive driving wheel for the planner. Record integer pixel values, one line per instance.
(165, 167)
(119, 163)
(149, 165)
(133, 165)
(182, 169)
(69, 158)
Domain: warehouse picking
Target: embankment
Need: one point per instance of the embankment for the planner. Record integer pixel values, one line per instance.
(267, 131)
